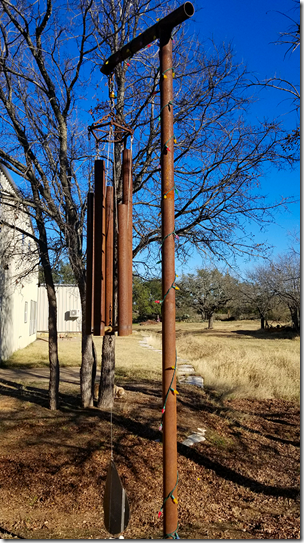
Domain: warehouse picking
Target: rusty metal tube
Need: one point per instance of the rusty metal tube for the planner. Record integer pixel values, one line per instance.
(103, 254)
(168, 279)
(152, 33)
(89, 275)
(99, 249)
(109, 256)
(127, 199)
(123, 291)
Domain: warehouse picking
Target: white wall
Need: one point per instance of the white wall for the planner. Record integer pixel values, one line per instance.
(18, 275)
(67, 298)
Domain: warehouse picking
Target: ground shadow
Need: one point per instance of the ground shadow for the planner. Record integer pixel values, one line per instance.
(285, 332)
(70, 403)
(39, 396)
(269, 333)
(231, 475)
(4, 532)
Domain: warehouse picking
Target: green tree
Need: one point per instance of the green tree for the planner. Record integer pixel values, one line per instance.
(62, 274)
(145, 295)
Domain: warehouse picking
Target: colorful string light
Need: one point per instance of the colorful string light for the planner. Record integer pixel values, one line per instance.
(174, 534)
(173, 286)
(171, 390)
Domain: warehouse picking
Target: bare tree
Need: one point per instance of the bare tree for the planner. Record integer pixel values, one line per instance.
(208, 291)
(43, 50)
(255, 290)
(290, 39)
(48, 56)
(284, 280)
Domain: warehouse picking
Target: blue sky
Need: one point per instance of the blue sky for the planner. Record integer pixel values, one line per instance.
(252, 28)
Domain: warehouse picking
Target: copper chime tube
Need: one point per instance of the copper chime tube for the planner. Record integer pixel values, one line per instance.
(123, 291)
(109, 256)
(99, 250)
(127, 199)
(89, 284)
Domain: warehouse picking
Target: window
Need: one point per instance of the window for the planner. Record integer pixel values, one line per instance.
(25, 311)
(33, 318)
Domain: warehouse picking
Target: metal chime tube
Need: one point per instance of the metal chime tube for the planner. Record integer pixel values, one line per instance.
(99, 250)
(168, 278)
(123, 290)
(90, 264)
(109, 256)
(127, 199)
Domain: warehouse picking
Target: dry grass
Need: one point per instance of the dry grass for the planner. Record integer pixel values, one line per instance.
(236, 359)
(36, 354)
(131, 360)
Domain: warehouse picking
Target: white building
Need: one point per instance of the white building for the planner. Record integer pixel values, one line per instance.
(68, 309)
(18, 272)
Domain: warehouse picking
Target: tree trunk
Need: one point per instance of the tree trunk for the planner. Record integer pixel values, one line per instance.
(294, 318)
(210, 321)
(262, 323)
(88, 354)
(106, 387)
(52, 321)
(87, 371)
(53, 350)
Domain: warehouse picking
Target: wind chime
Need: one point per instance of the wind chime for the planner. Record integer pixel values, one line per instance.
(161, 31)
(104, 214)
(110, 223)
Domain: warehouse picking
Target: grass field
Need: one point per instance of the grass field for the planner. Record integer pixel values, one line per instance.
(236, 358)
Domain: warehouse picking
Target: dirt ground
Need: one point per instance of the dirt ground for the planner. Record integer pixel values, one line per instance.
(241, 483)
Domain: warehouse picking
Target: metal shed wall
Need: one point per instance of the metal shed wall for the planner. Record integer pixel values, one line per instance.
(67, 298)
